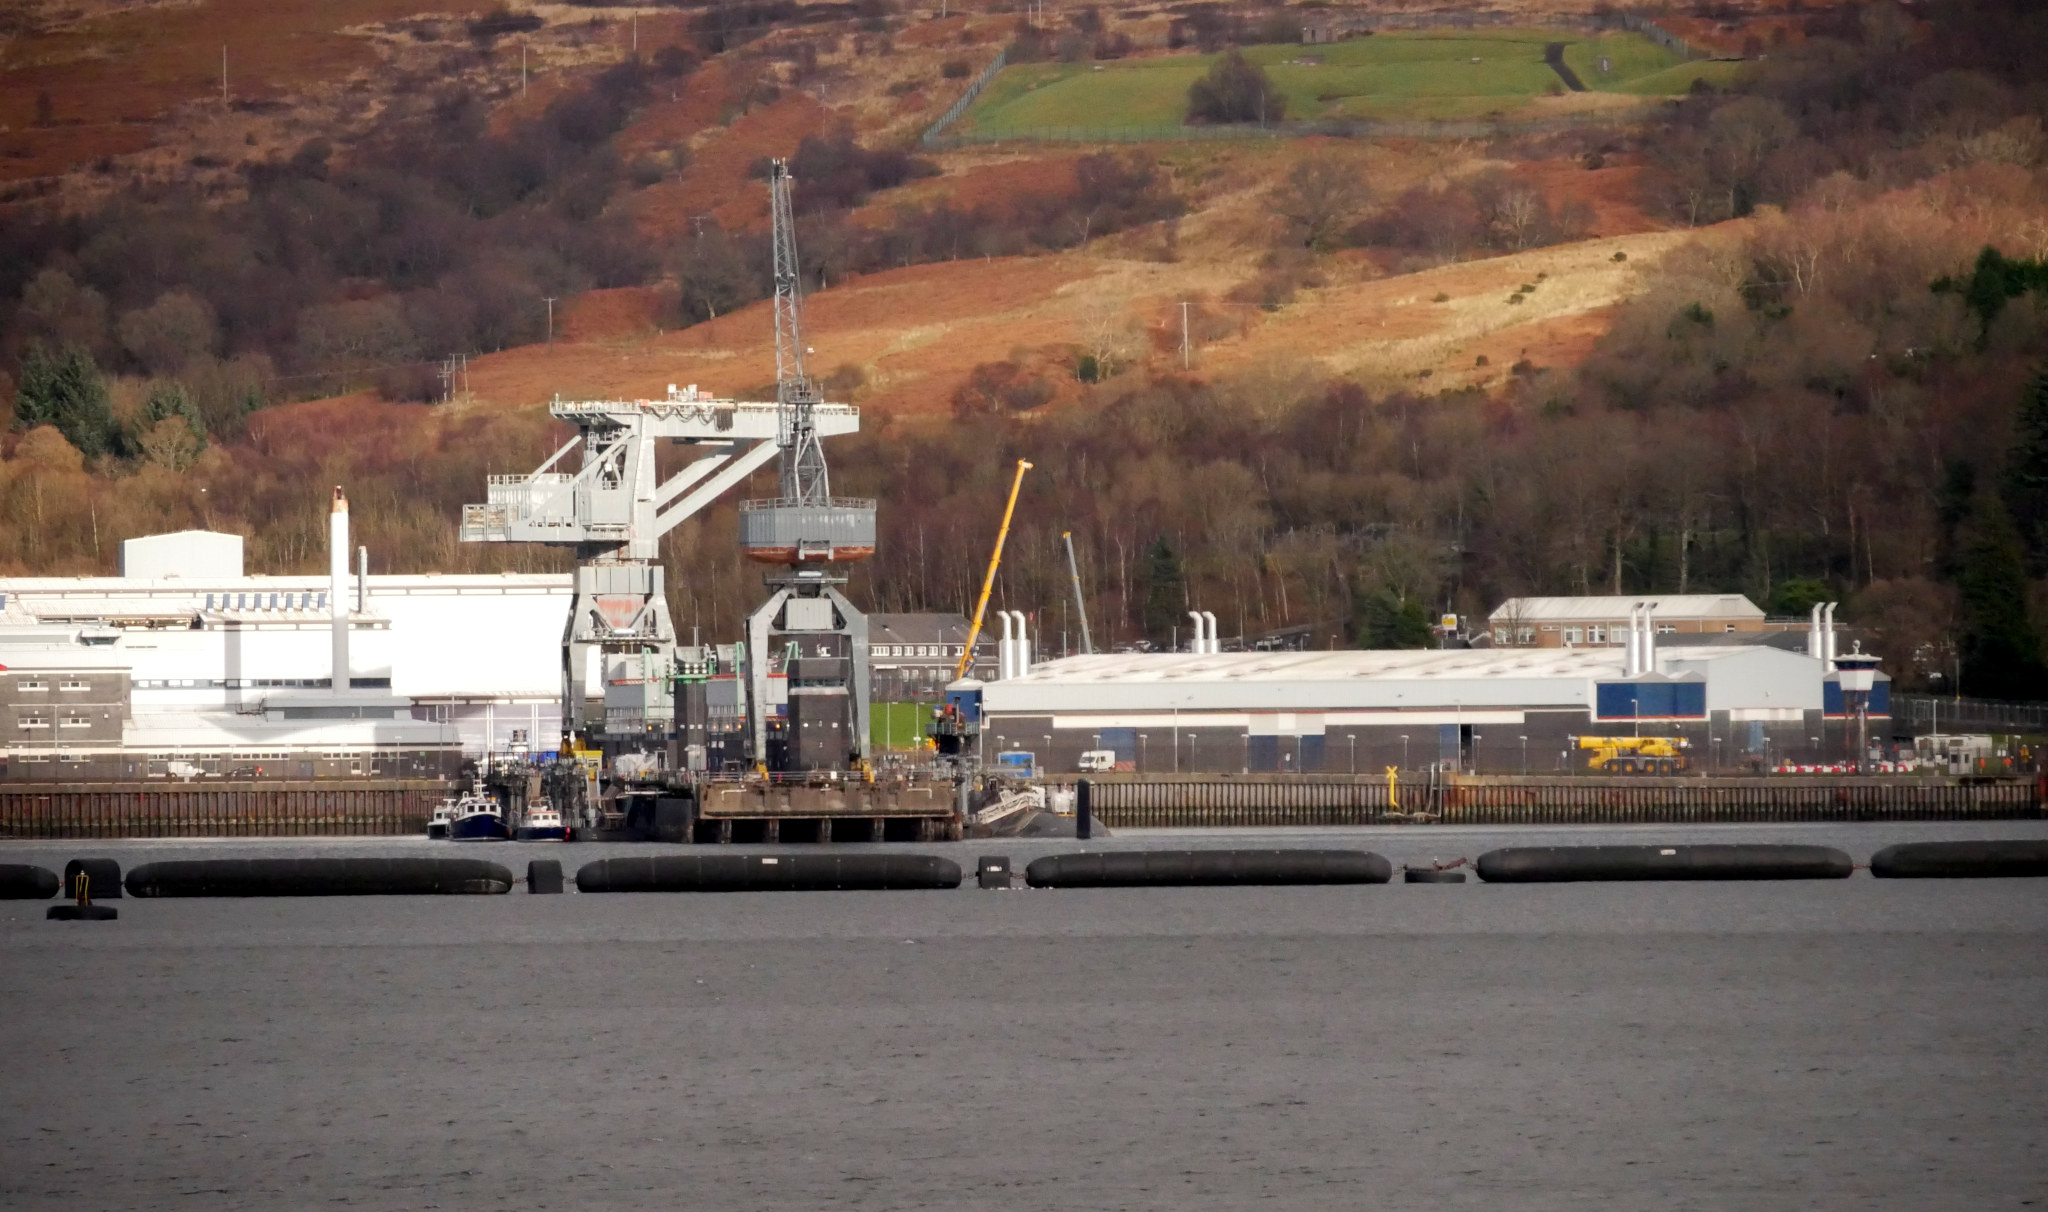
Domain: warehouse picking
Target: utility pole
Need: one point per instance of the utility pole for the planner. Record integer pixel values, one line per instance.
(522, 67)
(636, 33)
(1184, 354)
(551, 319)
(223, 73)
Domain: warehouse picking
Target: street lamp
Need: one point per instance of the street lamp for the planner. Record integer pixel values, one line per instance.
(1404, 751)
(1142, 763)
(1525, 757)
(1048, 748)
(1353, 738)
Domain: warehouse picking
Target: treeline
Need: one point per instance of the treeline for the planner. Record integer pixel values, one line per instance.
(1876, 92)
(438, 236)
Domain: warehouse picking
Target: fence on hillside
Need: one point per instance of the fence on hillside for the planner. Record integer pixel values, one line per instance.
(1341, 128)
(953, 111)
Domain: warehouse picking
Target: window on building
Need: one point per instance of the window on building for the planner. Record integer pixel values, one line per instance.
(1596, 635)
(76, 720)
(1526, 635)
(1667, 629)
(1500, 635)
(72, 684)
(1728, 627)
(1573, 636)
(30, 684)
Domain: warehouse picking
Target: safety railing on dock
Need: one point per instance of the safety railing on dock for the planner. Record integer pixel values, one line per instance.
(1472, 800)
(294, 809)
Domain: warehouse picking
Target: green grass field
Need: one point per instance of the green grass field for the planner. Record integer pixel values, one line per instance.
(1403, 75)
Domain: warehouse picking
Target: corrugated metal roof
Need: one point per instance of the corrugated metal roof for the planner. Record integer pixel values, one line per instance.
(1418, 664)
(1616, 607)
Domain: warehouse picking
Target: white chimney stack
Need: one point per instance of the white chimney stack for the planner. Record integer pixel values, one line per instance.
(1005, 658)
(1649, 638)
(1197, 642)
(1635, 641)
(1023, 645)
(1215, 644)
(1814, 647)
(337, 587)
(1828, 635)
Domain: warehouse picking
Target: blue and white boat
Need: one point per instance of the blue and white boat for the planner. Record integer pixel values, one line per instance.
(437, 824)
(478, 818)
(542, 824)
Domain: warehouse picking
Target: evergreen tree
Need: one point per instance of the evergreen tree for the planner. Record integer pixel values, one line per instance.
(1384, 620)
(1952, 505)
(1166, 591)
(2001, 650)
(168, 398)
(64, 389)
(2026, 475)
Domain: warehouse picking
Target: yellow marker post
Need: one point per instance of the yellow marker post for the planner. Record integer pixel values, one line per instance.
(1393, 778)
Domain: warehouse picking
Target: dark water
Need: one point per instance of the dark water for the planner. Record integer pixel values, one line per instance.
(1850, 1044)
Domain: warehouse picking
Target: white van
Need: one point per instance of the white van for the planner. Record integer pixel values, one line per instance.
(1095, 760)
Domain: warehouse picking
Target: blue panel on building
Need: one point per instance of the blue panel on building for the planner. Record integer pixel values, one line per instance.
(1650, 700)
(1262, 754)
(1880, 698)
(1124, 741)
(1311, 748)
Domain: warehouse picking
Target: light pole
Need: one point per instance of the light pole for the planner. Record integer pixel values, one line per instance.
(1353, 738)
(1142, 763)
(1048, 749)
(1525, 757)
(1404, 751)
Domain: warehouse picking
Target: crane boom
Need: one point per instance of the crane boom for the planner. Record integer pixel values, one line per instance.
(1080, 607)
(988, 582)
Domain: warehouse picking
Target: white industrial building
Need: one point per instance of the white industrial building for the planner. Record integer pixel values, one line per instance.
(1474, 710)
(227, 670)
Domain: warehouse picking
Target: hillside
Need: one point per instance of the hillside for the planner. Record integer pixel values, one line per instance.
(1433, 369)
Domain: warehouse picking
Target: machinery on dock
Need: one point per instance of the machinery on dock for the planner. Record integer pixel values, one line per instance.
(1635, 754)
(638, 757)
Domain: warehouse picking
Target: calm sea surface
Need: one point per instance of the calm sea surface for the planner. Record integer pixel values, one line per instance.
(1843, 1044)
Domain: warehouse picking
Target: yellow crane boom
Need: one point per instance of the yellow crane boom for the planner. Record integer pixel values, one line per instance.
(988, 583)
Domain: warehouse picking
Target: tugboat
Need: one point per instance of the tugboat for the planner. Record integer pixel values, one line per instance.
(437, 824)
(543, 824)
(477, 818)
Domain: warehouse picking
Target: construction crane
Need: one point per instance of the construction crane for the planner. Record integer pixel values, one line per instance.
(988, 583)
(801, 530)
(1080, 606)
(611, 511)
(1635, 754)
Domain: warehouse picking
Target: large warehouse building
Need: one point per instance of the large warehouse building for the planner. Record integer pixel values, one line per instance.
(1472, 710)
(195, 663)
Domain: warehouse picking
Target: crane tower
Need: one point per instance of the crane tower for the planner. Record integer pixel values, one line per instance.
(612, 510)
(801, 530)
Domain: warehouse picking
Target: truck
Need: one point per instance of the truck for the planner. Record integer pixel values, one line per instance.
(1635, 754)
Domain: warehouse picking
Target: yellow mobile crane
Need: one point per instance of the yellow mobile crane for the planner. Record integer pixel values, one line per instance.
(1635, 754)
(988, 582)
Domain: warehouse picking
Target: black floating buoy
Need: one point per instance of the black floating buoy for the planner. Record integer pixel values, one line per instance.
(319, 877)
(1206, 868)
(785, 872)
(81, 908)
(992, 871)
(544, 876)
(1962, 860)
(1084, 809)
(1431, 875)
(1568, 864)
(105, 873)
(22, 882)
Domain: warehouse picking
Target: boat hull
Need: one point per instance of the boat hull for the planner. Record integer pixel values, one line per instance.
(437, 830)
(479, 828)
(542, 833)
